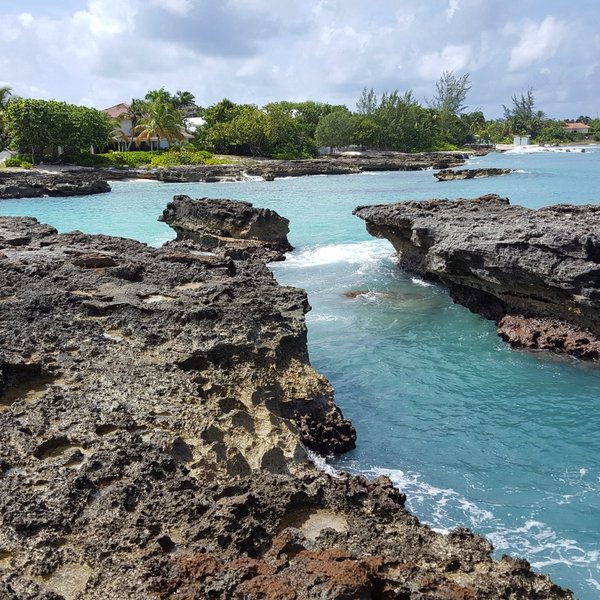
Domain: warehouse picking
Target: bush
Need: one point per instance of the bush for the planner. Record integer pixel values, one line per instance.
(17, 161)
(444, 148)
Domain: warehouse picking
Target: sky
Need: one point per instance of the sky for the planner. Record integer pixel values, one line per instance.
(102, 52)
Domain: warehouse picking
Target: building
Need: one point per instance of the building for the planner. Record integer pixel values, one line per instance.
(122, 135)
(521, 140)
(581, 128)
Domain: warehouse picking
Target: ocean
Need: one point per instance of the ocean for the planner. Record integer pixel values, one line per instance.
(504, 442)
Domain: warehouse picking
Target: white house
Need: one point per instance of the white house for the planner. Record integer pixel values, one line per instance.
(577, 128)
(122, 135)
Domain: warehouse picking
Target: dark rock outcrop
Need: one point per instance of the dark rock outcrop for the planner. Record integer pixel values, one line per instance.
(152, 403)
(232, 228)
(271, 169)
(535, 272)
(35, 184)
(459, 174)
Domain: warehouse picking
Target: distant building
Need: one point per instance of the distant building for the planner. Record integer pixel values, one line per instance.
(577, 128)
(122, 134)
(521, 140)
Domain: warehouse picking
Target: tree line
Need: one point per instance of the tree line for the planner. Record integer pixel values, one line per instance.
(387, 121)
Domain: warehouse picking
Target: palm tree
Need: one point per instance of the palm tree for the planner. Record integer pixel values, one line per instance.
(136, 111)
(5, 95)
(161, 120)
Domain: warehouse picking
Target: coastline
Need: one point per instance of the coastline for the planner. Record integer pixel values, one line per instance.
(157, 450)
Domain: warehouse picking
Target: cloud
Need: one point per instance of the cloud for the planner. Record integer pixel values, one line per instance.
(538, 42)
(105, 51)
(450, 58)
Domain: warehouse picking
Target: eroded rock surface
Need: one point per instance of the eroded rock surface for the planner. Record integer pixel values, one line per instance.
(35, 184)
(460, 174)
(535, 272)
(233, 228)
(152, 403)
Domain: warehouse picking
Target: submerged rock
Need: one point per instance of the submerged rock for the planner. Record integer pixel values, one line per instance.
(508, 263)
(155, 406)
(230, 227)
(35, 184)
(459, 174)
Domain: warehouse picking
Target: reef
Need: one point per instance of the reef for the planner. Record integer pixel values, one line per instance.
(460, 174)
(159, 416)
(536, 273)
(231, 228)
(35, 184)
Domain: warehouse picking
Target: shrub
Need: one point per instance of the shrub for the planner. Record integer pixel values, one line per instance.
(17, 161)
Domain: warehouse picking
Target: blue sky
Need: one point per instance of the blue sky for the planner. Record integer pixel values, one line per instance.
(101, 52)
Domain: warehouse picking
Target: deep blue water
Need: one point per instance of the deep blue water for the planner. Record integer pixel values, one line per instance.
(477, 435)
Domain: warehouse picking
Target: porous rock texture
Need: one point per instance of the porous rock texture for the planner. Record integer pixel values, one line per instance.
(460, 174)
(153, 404)
(229, 227)
(35, 184)
(536, 273)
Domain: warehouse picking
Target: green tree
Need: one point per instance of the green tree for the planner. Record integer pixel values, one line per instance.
(521, 117)
(335, 129)
(161, 120)
(136, 111)
(367, 103)
(5, 96)
(38, 127)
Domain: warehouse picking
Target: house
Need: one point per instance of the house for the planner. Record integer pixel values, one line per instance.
(521, 140)
(122, 135)
(581, 128)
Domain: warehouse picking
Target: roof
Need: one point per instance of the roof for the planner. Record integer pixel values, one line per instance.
(116, 111)
(576, 126)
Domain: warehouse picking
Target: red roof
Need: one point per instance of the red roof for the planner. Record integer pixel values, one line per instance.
(576, 126)
(116, 111)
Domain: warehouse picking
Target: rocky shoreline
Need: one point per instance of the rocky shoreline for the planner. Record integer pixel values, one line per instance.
(534, 272)
(156, 407)
(36, 184)
(71, 181)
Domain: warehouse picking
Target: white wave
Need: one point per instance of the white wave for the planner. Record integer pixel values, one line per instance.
(360, 253)
(247, 177)
(322, 318)
(421, 282)
(537, 149)
(521, 171)
(321, 463)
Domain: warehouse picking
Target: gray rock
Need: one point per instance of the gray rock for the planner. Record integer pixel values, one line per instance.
(152, 408)
(460, 174)
(233, 228)
(35, 184)
(499, 260)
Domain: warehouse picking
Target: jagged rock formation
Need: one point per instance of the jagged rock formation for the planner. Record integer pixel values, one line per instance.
(271, 169)
(35, 184)
(152, 403)
(232, 228)
(535, 272)
(460, 174)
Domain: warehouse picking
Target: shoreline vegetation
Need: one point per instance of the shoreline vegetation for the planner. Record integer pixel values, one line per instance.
(135, 134)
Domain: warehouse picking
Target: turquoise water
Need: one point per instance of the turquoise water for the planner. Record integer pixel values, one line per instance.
(477, 435)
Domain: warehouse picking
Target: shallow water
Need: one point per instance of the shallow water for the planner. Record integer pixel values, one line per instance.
(477, 435)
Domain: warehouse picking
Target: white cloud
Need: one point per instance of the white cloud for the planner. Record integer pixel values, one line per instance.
(453, 7)
(450, 58)
(25, 19)
(176, 7)
(539, 41)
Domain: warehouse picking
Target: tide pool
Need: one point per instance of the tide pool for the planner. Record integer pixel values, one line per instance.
(504, 442)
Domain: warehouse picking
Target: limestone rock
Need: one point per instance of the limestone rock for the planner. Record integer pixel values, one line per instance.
(460, 174)
(35, 184)
(230, 227)
(501, 260)
(151, 417)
